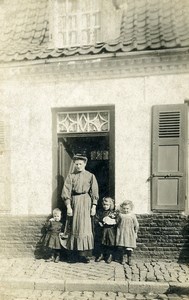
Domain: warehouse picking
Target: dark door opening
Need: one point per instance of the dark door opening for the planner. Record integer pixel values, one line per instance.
(96, 148)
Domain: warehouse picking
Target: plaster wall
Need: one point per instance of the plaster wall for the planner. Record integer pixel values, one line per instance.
(27, 106)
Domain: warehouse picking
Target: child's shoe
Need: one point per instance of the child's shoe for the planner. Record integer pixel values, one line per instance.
(50, 259)
(87, 260)
(57, 259)
(101, 257)
(109, 260)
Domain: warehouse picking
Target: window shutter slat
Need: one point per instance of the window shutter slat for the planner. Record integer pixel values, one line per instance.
(169, 124)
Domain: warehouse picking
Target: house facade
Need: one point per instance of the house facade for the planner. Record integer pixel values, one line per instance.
(118, 93)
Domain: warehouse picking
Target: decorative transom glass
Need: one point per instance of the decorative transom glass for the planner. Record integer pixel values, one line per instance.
(81, 122)
(77, 22)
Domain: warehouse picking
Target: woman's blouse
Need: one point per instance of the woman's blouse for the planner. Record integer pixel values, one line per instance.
(78, 183)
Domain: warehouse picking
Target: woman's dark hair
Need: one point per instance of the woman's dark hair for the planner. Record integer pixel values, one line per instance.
(79, 157)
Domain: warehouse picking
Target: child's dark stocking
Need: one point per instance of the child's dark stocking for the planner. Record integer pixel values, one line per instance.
(52, 258)
(57, 253)
(109, 251)
(101, 254)
(121, 254)
(129, 252)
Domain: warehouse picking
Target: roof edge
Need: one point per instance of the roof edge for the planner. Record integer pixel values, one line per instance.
(96, 57)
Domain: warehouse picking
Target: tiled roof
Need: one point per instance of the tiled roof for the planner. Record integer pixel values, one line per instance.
(146, 25)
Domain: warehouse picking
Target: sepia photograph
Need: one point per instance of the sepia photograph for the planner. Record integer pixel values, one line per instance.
(94, 173)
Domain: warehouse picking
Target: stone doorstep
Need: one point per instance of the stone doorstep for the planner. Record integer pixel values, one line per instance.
(133, 287)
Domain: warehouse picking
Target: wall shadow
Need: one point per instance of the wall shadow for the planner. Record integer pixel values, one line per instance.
(184, 253)
(41, 251)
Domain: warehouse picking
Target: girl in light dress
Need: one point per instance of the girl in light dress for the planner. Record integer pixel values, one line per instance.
(127, 228)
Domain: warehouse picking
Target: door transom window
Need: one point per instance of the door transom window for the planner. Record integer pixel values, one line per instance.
(83, 122)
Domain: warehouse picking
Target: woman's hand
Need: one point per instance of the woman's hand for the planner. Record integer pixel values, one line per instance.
(69, 211)
(93, 210)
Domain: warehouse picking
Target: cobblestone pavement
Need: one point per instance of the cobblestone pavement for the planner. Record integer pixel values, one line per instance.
(160, 271)
(34, 269)
(24, 294)
(150, 271)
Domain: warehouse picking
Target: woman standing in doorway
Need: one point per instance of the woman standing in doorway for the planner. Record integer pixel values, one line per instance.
(80, 193)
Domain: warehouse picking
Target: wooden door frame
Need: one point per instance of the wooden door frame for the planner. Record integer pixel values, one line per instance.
(55, 135)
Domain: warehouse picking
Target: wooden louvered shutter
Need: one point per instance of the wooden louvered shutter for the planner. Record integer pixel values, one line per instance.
(169, 157)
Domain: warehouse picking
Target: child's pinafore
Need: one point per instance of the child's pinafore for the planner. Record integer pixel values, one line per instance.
(127, 227)
(52, 239)
(108, 221)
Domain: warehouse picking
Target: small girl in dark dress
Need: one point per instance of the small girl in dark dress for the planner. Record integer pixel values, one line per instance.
(106, 219)
(52, 239)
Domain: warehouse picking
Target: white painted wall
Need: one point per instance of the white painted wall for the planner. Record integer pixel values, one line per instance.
(29, 104)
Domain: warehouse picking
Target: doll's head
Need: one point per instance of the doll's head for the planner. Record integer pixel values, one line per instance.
(57, 214)
(107, 203)
(126, 206)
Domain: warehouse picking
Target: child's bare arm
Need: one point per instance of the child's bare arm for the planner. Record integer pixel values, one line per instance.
(136, 224)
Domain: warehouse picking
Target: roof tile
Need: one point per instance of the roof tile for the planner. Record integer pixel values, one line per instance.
(153, 24)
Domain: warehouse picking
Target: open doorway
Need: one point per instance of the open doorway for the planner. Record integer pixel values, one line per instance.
(97, 143)
(97, 151)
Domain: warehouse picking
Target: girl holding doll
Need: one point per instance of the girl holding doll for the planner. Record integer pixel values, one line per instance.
(106, 222)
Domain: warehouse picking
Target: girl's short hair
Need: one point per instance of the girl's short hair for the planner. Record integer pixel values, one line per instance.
(110, 201)
(56, 211)
(127, 202)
